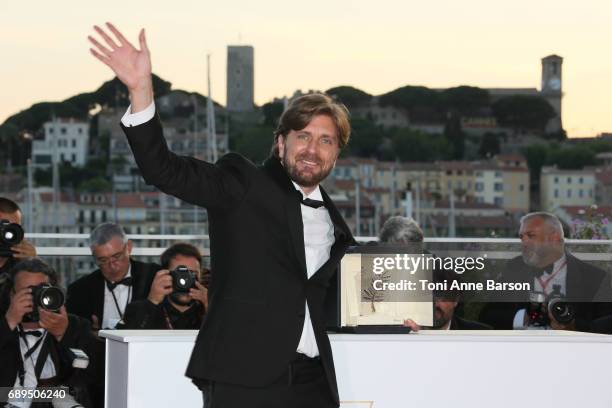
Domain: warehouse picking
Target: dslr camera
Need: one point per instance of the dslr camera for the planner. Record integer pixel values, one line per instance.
(10, 234)
(47, 297)
(182, 279)
(541, 305)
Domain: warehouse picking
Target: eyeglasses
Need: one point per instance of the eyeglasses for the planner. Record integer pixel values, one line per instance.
(116, 257)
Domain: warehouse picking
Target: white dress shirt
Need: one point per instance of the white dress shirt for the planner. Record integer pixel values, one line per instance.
(318, 235)
(123, 294)
(29, 364)
(318, 240)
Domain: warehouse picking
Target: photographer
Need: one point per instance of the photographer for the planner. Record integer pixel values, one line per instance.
(11, 254)
(102, 296)
(552, 273)
(170, 305)
(35, 340)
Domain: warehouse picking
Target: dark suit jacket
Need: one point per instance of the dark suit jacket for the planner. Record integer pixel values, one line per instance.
(86, 295)
(145, 315)
(260, 287)
(78, 335)
(585, 285)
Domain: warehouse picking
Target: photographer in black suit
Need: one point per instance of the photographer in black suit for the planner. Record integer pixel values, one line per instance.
(165, 308)
(101, 296)
(10, 211)
(546, 265)
(35, 352)
(276, 239)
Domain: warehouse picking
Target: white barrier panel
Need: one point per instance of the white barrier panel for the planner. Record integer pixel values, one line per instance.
(459, 369)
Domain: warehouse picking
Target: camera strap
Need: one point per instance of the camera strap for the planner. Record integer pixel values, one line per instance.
(544, 282)
(40, 361)
(112, 291)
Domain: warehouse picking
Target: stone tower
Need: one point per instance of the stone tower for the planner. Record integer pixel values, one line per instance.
(240, 78)
(552, 89)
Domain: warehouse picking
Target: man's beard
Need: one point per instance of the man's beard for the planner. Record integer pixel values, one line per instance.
(535, 255)
(303, 178)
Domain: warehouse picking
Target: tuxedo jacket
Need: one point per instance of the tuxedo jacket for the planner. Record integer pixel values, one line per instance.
(260, 287)
(85, 296)
(78, 335)
(587, 287)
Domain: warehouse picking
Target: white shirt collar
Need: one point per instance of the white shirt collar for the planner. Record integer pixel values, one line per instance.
(315, 195)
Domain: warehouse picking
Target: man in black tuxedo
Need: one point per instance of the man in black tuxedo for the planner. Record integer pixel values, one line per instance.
(101, 296)
(35, 352)
(164, 308)
(547, 266)
(276, 240)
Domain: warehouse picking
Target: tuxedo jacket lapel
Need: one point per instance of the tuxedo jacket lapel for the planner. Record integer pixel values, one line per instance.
(292, 209)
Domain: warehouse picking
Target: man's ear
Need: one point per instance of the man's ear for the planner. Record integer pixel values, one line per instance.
(129, 247)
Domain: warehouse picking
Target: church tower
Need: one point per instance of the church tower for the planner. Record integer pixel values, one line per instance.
(552, 89)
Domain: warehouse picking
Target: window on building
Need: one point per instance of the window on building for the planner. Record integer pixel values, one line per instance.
(556, 180)
(51, 131)
(73, 157)
(521, 187)
(499, 201)
(569, 180)
(556, 193)
(569, 193)
(581, 180)
(498, 174)
(580, 193)
(80, 131)
(498, 187)
(478, 186)
(73, 142)
(63, 131)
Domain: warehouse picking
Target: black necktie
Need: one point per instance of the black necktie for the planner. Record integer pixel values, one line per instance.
(313, 203)
(125, 281)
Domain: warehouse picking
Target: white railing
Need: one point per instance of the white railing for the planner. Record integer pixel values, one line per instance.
(44, 249)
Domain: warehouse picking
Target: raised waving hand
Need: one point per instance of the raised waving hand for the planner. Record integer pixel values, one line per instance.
(131, 65)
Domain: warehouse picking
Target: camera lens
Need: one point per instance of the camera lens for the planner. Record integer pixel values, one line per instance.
(51, 298)
(10, 233)
(182, 279)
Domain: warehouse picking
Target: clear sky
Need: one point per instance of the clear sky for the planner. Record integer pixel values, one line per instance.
(376, 46)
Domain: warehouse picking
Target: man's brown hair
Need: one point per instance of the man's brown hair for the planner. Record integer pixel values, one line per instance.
(301, 111)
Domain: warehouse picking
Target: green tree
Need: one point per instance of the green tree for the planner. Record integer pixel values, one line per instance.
(523, 112)
(272, 112)
(489, 145)
(414, 146)
(465, 99)
(571, 158)
(350, 96)
(455, 136)
(366, 139)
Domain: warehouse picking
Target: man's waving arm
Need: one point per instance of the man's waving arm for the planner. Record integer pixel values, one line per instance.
(197, 182)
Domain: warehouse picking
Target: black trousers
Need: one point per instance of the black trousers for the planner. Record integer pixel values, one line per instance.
(302, 385)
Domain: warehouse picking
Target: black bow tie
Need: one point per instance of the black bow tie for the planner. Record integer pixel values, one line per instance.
(34, 333)
(313, 203)
(125, 281)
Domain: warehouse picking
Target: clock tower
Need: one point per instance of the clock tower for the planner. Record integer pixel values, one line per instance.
(552, 88)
